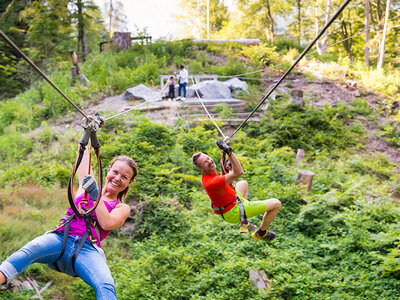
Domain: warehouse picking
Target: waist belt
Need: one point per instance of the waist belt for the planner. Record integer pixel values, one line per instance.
(88, 234)
(243, 218)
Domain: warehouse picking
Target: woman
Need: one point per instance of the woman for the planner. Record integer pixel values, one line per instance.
(90, 264)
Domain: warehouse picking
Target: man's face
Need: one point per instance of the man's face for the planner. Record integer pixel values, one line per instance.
(206, 164)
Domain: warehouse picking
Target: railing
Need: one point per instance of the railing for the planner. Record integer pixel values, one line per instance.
(196, 78)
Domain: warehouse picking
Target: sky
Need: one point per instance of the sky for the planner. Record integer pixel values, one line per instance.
(156, 15)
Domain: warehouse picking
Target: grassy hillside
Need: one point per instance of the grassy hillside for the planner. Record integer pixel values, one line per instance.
(340, 241)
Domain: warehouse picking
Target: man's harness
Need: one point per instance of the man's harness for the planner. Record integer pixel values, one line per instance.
(243, 218)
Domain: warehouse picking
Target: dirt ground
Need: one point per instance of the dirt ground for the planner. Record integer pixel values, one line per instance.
(317, 92)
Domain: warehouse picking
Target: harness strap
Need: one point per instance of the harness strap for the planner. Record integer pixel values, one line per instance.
(67, 224)
(215, 208)
(81, 243)
(243, 218)
(88, 234)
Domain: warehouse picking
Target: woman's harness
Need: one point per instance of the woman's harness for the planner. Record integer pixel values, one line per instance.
(92, 126)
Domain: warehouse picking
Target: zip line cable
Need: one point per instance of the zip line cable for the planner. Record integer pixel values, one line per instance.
(5, 37)
(126, 111)
(205, 108)
(260, 70)
(239, 75)
(278, 65)
(294, 64)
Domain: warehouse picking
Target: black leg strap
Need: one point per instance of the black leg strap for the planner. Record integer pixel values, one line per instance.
(82, 242)
(67, 224)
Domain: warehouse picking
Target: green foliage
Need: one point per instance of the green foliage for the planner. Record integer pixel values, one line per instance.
(284, 44)
(340, 240)
(223, 110)
(261, 54)
(307, 128)
(232, 67)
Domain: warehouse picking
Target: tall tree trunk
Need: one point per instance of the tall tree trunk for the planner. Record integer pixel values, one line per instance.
(383, 43)
(322, 45)
(318, 44)
(299, 21)
(81, 31)
(366, 47)
(347, 42)
(111, 13)
(271, 29)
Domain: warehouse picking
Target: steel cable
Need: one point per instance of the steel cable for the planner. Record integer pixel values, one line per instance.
(294, 64)
(205, 108)
(5, 37)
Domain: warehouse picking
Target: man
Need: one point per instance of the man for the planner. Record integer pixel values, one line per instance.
(224, 197)
(183, 80)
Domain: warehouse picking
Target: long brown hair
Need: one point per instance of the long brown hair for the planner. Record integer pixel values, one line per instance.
(132, 164)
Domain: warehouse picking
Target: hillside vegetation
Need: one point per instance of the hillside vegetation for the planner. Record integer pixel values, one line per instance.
(339, 241)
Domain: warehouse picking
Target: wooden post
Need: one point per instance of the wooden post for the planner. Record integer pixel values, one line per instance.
(299, 156)
(296, 97)
(259, 279)
(304, 177)
(122, 39)
(73, 72)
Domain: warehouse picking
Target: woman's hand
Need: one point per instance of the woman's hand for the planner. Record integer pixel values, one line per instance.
(90, 186)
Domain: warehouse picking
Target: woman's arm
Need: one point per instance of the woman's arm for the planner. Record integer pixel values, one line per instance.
(82, 171)
(114, 219)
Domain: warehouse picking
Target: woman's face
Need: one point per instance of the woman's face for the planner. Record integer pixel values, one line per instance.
(119, 176)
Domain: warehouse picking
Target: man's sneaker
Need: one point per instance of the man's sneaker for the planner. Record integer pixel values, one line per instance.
(268, 236)
(247, 227)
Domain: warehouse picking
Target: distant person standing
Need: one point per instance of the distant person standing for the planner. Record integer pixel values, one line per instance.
(183, 80)
(171, 88)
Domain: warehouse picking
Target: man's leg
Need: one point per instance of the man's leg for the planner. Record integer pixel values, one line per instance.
(273, 206)
(184, 90)
(179, 90)
(242, 186)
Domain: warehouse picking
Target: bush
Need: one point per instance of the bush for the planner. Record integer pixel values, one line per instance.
(261, 54)
(231, 68)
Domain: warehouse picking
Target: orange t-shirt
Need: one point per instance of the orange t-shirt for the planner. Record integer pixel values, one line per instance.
(220, 194)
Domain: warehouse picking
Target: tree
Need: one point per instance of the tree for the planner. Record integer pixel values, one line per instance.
(194, 17)
(15, 29)
(383, 43)
(366, 18)
(322, 44)
(254, 19)
(82, 14)
(114, 15)
(50, 31)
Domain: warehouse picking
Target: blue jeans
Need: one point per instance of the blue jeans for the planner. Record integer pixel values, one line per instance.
(45, 249)
(182, 85)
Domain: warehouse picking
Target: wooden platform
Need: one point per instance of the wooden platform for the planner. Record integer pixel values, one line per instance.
(196, 101)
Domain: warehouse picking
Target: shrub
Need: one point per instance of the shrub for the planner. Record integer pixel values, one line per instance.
(231, 68)
(261, 54)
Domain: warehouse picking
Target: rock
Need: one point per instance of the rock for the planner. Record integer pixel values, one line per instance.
(236, 85)
(142, 92)
(212, 89)
(190, 92)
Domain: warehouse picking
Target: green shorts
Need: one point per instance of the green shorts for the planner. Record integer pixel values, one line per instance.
(252, 209)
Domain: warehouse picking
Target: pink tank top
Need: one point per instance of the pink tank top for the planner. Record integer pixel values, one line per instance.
(78, 226)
